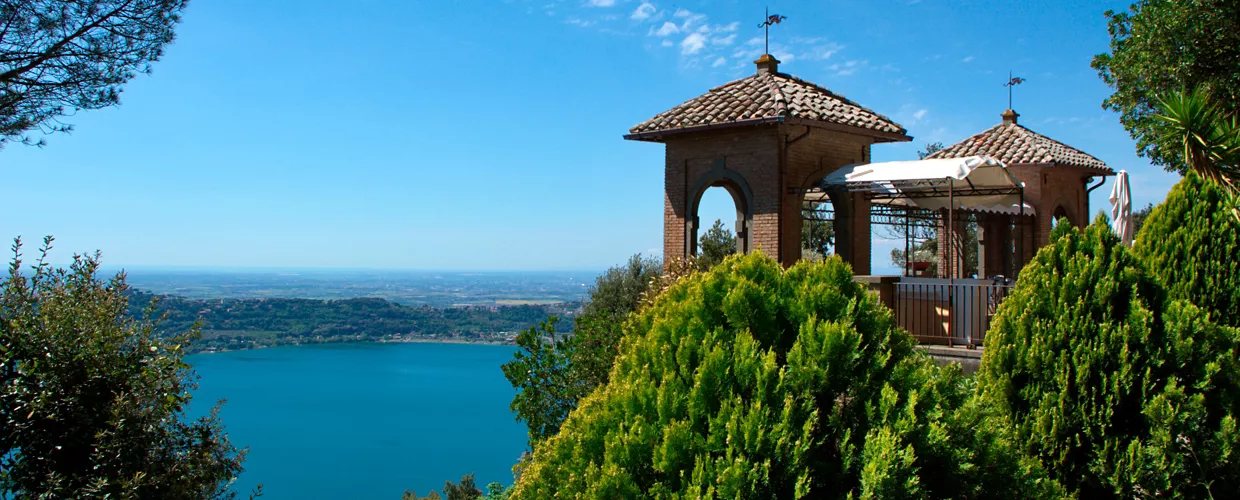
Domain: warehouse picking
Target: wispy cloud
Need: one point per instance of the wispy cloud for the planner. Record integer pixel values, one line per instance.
(669, 28)
(848, 68)
(643, 12)
(601, 3)
(578, 22)
(719, 62)
(692, 44)
(967, 59)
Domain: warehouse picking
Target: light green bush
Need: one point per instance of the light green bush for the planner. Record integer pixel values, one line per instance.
(749, 381)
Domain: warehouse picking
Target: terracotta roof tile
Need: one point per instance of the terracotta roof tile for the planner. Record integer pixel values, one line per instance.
(768, 95)
(1014, 144)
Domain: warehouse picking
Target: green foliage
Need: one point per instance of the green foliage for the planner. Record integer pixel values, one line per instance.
(930, 149)
(1139, 217)
(749, 381)
(1118, 393)
(717, 243)
(464, 490)
(1208, 140)
(817, 235)
(1192, 245)
(61, 56)
(551, 373)
(540, 373)
(618, 291)
(92, 401)
(1163, 46)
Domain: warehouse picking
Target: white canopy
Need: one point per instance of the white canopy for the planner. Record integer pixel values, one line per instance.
(977, 183)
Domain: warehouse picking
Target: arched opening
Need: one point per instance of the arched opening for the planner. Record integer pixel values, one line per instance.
(721, 195)
(716, 231)
(1060, 213)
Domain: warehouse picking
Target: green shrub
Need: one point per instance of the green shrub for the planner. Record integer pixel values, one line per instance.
(1191, 243)
(1117, 393)
(92, 402)
(749, 381)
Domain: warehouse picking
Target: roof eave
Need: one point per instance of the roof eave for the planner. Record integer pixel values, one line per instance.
(877, 135)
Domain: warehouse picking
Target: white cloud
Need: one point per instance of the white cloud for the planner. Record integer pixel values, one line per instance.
(643, 11)
(667, 43)
(847, 68)
(578, 22)
(719, 62)
(601, 3)
(692, 44)
(668, 28)
(967, 59)
(921, 113)
(723, 40)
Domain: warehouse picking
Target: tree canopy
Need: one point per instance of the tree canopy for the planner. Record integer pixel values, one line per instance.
(61, 56)
(749, 381)
(1117, 391)
(717, 243)
(1162, 46)
(92, 402)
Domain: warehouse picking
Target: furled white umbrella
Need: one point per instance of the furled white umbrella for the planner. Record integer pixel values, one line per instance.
(1121, 208)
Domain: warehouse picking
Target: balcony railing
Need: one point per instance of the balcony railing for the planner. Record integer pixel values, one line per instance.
(937, 311)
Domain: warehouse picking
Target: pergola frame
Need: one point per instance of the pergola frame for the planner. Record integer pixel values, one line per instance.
(914, 189)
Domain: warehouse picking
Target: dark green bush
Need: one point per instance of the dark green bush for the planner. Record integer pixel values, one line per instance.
(1191, 243)
(1117, 392)
(749, 381)
(93, 403)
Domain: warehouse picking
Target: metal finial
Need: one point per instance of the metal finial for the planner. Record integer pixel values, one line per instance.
(1012, 82)
(766, 25)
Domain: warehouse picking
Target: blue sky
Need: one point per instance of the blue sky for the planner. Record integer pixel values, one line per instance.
(487, 135)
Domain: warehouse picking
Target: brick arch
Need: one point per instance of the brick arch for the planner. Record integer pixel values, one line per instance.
(742, 199)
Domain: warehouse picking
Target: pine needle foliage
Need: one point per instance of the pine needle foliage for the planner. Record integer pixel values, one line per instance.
(749, 381)
(1191, 243)
(1118, 392)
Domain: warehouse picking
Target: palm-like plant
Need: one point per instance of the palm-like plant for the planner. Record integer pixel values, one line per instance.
(1210, 140)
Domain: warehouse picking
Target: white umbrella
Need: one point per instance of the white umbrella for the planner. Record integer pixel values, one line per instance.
(1121, 208)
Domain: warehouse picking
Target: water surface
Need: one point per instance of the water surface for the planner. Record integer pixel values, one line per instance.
(364, 420)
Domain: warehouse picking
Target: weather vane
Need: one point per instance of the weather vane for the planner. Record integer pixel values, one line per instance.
(1012, 82)
(766, 25)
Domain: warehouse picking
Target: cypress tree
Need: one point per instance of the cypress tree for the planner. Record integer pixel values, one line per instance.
(1191, 243)
(1118, 392)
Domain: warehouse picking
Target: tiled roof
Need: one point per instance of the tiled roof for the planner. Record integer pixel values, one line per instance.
(769, 96)
(1013, 144)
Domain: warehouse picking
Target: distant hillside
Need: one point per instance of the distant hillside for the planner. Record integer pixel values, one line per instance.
(229, 324)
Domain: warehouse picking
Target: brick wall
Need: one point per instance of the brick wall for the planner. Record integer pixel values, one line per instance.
(756, 154)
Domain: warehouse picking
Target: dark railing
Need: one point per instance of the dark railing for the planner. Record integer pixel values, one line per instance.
(936, 311)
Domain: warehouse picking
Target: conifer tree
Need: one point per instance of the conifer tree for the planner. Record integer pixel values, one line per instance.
(748, 381)
(1118, 392)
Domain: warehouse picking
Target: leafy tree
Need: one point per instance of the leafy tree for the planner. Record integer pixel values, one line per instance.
(717, 243)
(540, 373)
(92, 401)
(551, 373)
(748, 381)
(61, 56)
(1191, 244)
(464, 490)
(1117, 392)
(1163, 46)
(618, 291)
(1139, 217)
(1207, 139)
(817, 235)
(930, 149)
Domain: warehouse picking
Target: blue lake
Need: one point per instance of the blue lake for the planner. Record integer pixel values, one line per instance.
(364, 420)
